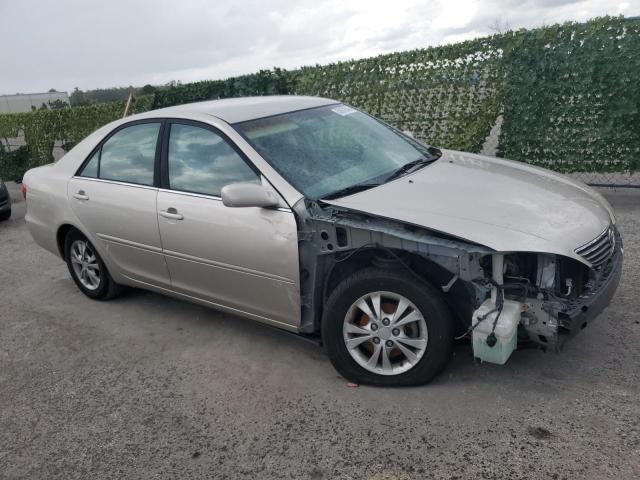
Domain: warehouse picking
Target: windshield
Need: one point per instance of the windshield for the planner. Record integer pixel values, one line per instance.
(325, 150)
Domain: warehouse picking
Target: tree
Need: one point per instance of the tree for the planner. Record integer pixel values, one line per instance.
(77, 98)
(55, 104)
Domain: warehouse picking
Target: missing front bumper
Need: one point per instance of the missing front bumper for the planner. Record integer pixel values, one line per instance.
(557, 320)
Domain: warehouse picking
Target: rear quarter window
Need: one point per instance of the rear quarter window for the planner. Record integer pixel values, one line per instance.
(90, 168)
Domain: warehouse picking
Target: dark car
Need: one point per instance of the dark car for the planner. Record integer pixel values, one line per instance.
(5, 202)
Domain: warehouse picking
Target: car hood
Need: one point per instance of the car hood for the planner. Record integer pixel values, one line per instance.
(504, 205)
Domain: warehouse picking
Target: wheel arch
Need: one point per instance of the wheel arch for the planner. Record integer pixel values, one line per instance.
(459, 298)
(62, 232)
(61, 235)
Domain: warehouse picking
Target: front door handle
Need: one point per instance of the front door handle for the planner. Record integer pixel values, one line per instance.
(171, 213)
(80, 195)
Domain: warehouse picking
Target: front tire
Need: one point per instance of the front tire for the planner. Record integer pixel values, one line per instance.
(87, 268)
(382, 328)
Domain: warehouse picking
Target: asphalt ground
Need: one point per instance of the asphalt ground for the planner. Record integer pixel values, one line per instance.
(145, 386)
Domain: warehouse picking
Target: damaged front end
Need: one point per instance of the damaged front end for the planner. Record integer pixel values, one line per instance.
(335, 242)
(546, 298)
(562, 294)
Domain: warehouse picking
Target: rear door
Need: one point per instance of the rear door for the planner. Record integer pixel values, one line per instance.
(245, 259)
(115, 194)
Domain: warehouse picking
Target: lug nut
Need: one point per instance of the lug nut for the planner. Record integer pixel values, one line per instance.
(396, 332)
(376, 340)
(374, 326)
(385, 321)
(389, 343)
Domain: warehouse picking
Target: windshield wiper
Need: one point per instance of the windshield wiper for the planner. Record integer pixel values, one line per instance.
(343, 192)
(410, 167)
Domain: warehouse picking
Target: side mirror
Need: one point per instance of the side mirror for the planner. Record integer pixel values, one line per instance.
(248, 195)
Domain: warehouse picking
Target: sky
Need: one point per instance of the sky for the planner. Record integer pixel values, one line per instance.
(97, 44)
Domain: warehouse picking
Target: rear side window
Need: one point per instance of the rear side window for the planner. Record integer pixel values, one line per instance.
(201, 161)
(91, 167)
(127, 156)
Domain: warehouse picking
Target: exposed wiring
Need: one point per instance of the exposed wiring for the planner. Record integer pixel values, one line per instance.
(347, 256)
(335, 261)
(402, 262)
(480, 319)
(491, 338)
(525, 287)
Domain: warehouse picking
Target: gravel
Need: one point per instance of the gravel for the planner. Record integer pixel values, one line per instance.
(149, 387)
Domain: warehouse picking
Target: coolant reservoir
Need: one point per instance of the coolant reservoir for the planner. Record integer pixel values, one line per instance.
(506, 331)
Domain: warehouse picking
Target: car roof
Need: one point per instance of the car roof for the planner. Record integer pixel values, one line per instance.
(235, 110)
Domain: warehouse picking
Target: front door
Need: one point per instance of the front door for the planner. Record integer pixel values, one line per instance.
(244, 259)
(114, 197)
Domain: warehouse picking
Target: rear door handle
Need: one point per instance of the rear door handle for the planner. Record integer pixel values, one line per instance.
(171, 213)
(80, 195)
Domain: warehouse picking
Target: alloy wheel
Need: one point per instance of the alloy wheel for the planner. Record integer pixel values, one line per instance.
(385, 333)
(85, 264)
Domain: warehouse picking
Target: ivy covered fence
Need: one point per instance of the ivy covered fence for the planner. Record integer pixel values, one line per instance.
(42, 128)
(569, 95)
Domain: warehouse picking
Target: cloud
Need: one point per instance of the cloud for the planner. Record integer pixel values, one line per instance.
(71, 43)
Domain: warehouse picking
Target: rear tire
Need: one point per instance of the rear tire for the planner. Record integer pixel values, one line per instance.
(87, 269)
(406, 327)
(5, 215)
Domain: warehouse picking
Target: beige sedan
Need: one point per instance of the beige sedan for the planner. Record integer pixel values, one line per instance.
(314, 217)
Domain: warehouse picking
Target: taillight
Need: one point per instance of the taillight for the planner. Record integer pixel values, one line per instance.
(23, 189)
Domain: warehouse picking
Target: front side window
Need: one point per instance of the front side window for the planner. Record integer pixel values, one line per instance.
(127, 156)
(327, 149)
(201, 161)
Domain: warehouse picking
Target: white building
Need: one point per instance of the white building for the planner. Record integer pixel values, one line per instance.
(24, 102)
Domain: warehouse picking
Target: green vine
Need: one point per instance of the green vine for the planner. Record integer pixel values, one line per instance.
(42, 128)
(569, 95)
(572, 97)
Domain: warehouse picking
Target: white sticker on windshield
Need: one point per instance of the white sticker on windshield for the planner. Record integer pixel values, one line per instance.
(343, 110)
